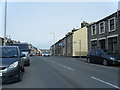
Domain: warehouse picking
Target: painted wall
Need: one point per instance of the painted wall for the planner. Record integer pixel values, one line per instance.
(80, 42)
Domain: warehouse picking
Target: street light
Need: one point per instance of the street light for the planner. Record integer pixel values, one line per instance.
(5, 18)
(53, 36)
(80, 48)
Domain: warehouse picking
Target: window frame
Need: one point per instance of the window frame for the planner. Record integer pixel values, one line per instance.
(109, 24)
(92, 29)
(100, 28)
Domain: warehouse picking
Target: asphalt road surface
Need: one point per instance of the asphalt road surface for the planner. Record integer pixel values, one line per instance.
(65, 72)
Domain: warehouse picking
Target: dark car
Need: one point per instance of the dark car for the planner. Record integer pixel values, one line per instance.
(12, 66)
(24, 48)
(99, 56)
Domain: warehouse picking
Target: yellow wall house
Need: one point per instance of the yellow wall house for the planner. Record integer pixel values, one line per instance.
(80, 42)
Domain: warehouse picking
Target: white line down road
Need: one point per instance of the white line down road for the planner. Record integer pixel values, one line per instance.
(105, 82)
(62, 65)
(66, 67)
(66, 73)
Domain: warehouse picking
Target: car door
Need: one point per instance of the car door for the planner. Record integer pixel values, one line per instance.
(92, 55)
(98, 56)
(22, 60)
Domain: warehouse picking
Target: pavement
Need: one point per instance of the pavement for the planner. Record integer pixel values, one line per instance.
(65, 72)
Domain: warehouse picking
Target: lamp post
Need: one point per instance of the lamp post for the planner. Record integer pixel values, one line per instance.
(53, 36)
(118, 26)
(5, 18)
(80, 47)
(118, 18)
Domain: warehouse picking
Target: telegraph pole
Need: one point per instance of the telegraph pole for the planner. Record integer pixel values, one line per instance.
(80, 48)
(5, 18)
(53, 36)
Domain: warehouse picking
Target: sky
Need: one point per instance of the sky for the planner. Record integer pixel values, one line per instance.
(33, 22)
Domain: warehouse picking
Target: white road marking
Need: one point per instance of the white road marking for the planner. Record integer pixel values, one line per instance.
(105, 82)
(62, 65)
(66, 67)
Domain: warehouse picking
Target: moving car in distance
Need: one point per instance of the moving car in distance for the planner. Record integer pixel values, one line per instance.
(24, 48)
(12, 66)
(99, 56)
(47, 54)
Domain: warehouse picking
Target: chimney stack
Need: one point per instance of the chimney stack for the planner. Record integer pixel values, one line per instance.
(83, 24)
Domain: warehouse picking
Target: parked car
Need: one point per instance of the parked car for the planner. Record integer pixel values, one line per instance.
(99, 56)
(12, 66)
(46, 54)
(24, 48)
(26, 58)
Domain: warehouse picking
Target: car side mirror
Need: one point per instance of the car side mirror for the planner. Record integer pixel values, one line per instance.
(22, 55)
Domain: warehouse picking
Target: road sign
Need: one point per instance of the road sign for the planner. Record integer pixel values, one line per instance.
(60, 44)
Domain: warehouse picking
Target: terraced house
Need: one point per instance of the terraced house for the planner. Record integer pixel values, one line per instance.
(105, 34)
(63, 47)
(74, 44)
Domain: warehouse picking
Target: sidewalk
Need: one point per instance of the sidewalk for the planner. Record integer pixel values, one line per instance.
(81, 59)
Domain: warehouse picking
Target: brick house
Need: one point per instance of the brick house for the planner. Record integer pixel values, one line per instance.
(105, 34)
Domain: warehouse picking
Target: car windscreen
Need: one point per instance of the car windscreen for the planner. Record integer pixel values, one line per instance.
(22, 47)
(8, 52)
(46, 52)
(100, 52)
(25, 52)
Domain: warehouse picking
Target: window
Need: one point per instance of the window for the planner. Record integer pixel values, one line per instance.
(93, 29)
(112, 24)
(102, 44)
(102, 27)
(113, 45)
(93, 44)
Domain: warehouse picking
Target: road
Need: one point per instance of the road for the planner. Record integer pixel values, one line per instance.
(65, 72)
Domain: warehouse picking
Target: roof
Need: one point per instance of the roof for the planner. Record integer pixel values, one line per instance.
(19, 43)
(103, 18)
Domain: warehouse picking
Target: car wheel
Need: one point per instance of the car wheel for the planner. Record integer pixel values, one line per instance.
(28, 63)
(105, 62)
(20, 76)
(88, 60)
(23, 70)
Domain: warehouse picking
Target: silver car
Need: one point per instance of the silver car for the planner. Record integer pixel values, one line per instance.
(26, 58)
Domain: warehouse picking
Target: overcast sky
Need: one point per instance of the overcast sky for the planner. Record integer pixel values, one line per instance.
(33, 22)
